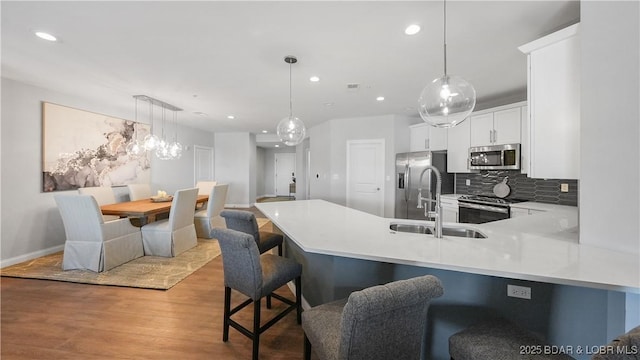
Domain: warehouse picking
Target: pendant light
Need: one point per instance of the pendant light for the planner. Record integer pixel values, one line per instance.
(151, 140)
(448, 100)
(134, 147)
(162, 150)
(175, 148)
(291, 130)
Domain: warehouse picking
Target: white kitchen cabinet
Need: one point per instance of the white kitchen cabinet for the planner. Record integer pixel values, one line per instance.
(496, 127)
(426, 137)
(554, 104)
(524, 140)
(458, 142)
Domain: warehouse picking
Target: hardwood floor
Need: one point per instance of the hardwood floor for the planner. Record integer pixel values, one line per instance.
(43, 319)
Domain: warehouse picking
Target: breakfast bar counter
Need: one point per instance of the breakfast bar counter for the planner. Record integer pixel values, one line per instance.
(543, 247)
(578, 295)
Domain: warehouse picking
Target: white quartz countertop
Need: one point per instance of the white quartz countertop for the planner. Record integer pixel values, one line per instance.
(541, 247)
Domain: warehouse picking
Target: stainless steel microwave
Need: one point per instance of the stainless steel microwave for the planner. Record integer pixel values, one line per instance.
(495, 157)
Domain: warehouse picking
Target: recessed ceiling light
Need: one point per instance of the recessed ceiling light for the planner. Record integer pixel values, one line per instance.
(328, 104)
(314, 79)
(277, 145)
(199, 113)
(264, 131)
(380, 98)
(46, 36)
(412, 29)
(230, 117)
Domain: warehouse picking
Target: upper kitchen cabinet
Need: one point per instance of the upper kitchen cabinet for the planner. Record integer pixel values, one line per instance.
(458, 142)
(496, 127)
(426, 137)
(554, 104)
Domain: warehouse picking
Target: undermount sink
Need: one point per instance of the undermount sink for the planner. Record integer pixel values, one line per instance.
(446, 230)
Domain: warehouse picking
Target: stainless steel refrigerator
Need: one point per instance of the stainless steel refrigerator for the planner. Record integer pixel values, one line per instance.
(409, 166)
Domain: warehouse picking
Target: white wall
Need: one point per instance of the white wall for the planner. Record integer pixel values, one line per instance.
(31, 224)
(329, 149)
(301, 169)
(235, 164)
(610, 132)
(320, 143)
(260, 169)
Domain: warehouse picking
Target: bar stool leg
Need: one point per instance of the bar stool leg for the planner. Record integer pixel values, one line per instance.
(227, 312)
(256, 328)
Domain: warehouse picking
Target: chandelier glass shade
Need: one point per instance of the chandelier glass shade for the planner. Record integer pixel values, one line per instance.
(291, 130)
(448, 100)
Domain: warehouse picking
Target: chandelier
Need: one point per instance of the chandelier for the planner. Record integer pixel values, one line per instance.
(163, 148)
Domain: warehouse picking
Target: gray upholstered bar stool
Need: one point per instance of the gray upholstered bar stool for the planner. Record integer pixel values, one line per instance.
(381, 322)
(255, 276)
(498, 339)
(245, 221)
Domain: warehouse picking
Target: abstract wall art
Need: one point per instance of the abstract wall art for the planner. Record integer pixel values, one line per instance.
(82, 149)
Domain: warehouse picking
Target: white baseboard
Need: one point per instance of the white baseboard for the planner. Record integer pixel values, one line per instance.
(305, 305)
(30, 256)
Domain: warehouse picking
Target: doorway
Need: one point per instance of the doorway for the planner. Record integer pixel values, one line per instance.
(285, 173)
(203, 163)
(365, 175)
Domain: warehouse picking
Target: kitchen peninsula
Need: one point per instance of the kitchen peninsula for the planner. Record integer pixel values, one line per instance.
(343, 249)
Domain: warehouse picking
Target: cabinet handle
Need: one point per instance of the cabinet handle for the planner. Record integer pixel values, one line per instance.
(491, 136)
(426, 143)
(495, 136)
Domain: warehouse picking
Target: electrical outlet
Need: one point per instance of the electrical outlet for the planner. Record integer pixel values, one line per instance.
(521, 292)
(468, 182)
(564, 187)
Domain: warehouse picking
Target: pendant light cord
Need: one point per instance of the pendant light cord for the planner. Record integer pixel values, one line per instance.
(445, 37)
(290, 101)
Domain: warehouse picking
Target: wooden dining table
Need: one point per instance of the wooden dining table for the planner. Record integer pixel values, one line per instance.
(146, 209)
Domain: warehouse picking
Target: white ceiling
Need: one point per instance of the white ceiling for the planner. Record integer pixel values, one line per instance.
(223, 58)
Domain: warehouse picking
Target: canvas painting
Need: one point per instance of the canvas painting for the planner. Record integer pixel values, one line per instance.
(83, 149)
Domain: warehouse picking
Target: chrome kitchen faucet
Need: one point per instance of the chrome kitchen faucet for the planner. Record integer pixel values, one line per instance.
(438, 209)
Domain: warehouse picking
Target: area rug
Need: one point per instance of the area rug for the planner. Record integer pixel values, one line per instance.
(149, 272)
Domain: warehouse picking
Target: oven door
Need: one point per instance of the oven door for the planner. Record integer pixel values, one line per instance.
(472, 213)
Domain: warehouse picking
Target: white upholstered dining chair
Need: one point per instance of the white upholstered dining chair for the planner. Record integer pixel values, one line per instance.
(139, 191)
(104, 195)
(92, 243)
(173, 236)
(208, 218)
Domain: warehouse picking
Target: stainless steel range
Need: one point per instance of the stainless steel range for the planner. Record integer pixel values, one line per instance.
(479, 209)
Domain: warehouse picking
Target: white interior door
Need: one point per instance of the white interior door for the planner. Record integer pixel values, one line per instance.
(203, 163)
(285, 171)
(365, 175)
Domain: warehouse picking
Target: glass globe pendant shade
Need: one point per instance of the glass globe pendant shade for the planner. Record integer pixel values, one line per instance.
(162, 151)
(291, 130)
(150, 142)
(134, 148)
(446, 101)
(175, 150)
